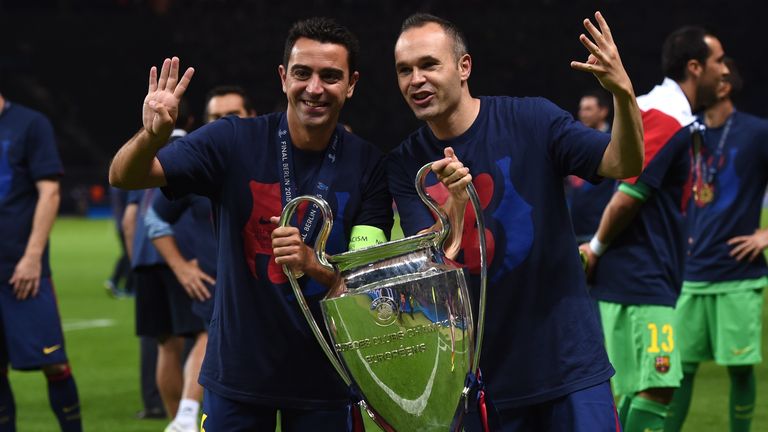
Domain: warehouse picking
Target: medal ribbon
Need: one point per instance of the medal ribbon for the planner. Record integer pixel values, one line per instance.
(288, 186)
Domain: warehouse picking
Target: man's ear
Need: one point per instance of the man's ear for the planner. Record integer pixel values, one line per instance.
(353, 79)
(465, 67)
(282, 72)
(693, 68)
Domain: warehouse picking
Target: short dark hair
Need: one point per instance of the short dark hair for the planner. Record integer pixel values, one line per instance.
(222, 90)
(734, 77)
(602, 97)
(684, 44)
(421, 19)
(323, 30)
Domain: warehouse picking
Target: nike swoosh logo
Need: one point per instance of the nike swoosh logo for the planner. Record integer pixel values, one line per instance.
(737, 351)
(70, 409)
(48, 350)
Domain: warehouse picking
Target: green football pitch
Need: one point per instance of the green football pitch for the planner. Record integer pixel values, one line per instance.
(104, 351)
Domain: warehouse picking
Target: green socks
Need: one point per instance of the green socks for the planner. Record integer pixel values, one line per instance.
(645, 416)
(743, 394)
(681, 401)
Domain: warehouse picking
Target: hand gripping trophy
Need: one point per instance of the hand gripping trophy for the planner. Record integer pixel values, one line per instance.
(400, 322)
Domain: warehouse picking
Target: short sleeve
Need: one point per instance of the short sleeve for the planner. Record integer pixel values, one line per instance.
(42, 154)
(376, 204)
(197, 163)
(167, 210)
(574, 149)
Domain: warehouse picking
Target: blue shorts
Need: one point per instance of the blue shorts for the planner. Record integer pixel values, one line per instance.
(226, 415)
(31, 335)
(589, 410)
(163, 308)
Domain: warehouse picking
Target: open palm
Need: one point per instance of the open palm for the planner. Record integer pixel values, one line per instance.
(161, 106)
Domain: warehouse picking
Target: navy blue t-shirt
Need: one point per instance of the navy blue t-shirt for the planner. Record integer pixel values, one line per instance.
(260, 348)
(27, 154)
(542, 338)
(644, 263)
(739, 185)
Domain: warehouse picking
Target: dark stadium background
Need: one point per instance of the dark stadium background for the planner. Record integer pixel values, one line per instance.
(85, 63)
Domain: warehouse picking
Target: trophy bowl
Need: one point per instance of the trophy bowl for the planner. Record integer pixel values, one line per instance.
(400, 323)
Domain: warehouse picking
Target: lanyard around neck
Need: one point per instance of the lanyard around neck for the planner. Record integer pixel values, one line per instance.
(288, 183)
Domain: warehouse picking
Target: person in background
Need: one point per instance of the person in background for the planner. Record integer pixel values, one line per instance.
(31, 337)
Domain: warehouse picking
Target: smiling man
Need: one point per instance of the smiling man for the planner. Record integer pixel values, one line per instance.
(261, 355)
(543, 358)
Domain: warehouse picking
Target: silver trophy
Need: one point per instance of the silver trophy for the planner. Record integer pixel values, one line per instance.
(400, 322)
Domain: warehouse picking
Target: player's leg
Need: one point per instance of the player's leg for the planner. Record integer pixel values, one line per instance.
(620, 345)
(63, 397)
(681, 401)
(170, 377)
(153, 319)
(221, 414)
(192, 392)
(37, 342)
(694, 328)
(186, 323)
(738, 346)
(659, 367)
(7, 404)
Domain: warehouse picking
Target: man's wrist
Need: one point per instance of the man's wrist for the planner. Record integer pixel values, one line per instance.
(597, 247)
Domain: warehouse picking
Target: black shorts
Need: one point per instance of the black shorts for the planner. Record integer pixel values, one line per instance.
(163, 308)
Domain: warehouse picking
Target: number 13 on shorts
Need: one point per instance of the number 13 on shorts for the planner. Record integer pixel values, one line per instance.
(667, 335)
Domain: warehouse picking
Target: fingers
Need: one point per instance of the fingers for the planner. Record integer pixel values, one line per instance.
(173, 74)
(737, 239)
(741, 251)
(280, 234)
(164, 72)
(35, 287)
(591, 47)
(152, 79)
(162, 112)
(587, 67)
(593, 31)
(181, 88)
(604, 29)
(448, 152)
(755, 253)
(275, 220)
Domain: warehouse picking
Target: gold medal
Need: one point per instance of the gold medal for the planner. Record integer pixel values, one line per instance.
(706, 194)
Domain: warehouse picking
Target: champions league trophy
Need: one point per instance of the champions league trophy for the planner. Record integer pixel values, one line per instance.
(399, 318)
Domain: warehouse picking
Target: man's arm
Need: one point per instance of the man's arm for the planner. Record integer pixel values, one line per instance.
(188, 273)
(623, 157)
(135, 165)
(618, 214)
(26, 275)
(129, 227)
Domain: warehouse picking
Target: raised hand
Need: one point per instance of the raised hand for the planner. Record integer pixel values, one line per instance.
(603, 61)
(161, 106)
(453, 174)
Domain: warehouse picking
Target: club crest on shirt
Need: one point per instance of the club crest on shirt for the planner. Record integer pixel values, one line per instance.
(662, 364)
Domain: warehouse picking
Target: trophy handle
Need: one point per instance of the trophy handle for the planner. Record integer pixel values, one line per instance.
(445, 228)
(319, 248)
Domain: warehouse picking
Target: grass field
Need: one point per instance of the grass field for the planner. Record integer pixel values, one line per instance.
(104, 352)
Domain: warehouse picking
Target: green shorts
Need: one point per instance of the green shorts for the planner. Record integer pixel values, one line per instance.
(725, 327)
(640, 341)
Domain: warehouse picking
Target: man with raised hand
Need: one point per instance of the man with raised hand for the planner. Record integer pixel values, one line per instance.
(543, 359)
(642, 233)
(261, 354)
